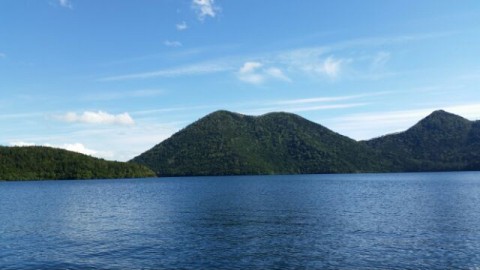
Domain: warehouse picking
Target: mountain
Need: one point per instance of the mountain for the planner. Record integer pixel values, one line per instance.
(440, 142)
(38, 163)
(226, 143)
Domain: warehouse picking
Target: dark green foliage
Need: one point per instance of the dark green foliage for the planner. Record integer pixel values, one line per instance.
(440, 142)
(38, 163)
(225, 143)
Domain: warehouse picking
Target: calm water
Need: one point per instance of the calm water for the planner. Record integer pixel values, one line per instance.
(395, 221)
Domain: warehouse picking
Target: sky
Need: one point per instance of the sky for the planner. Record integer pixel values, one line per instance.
(113, 78)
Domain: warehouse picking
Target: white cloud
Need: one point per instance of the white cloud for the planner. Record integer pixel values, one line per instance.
(247, 73)
(254, 73)
(74, 147)
(80, 148)
(470, 111)
(22, 143)
(194, 69)
(99, 117)
(250, 67)
(65, 4)
(330, 66)
(205, 8)
(277, 74)
(181, 26)
(169, 43)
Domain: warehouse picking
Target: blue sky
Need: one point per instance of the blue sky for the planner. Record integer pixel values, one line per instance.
(112, 78)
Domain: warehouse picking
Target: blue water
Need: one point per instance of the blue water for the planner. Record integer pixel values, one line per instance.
(363, 221)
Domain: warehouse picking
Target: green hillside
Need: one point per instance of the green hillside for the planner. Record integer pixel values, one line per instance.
(440, 142)
(38, 163)
(225, 143)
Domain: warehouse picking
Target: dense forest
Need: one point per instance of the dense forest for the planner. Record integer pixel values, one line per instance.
(226, 143)
(38, 163)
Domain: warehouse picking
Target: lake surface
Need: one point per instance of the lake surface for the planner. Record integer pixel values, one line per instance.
(362, 221)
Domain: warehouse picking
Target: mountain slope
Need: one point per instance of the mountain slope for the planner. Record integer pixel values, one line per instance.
(225, 143)
(441, 141)
(41, 163)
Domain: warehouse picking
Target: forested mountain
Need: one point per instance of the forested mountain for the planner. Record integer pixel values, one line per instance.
(38, 163)
(441, 141)
(226, 143)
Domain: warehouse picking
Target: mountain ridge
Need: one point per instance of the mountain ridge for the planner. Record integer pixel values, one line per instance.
(272, 143)
(437, 142)
(229, 143)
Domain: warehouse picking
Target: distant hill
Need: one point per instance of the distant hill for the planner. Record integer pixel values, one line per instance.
(440, 142)
(41, 163)
(226, 143)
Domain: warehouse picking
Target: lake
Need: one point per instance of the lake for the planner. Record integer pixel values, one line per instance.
(359, 221)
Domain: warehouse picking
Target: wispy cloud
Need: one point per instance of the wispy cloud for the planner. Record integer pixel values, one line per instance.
(176, 109)
(115, 95)
(328, 99)
(277, 73)
(205, 8)
(174, 43)
(195, 69)
(313, 61)
(380, 59)
(66, 4)
(99, 117)
(303, 108)
(262, 106)
(327, 61)
(371, 42)
(20, 115)
(255, 73)
(181, 26)
(3, 55)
